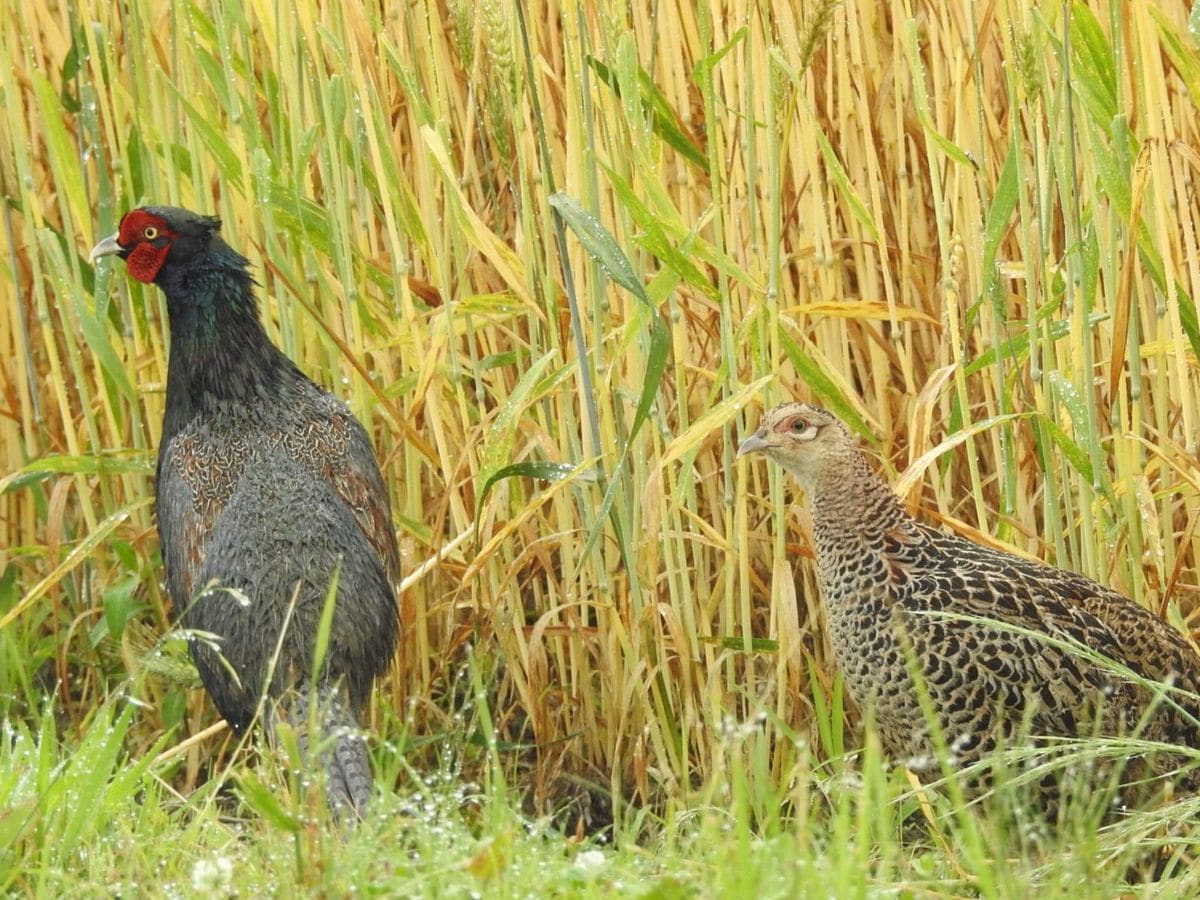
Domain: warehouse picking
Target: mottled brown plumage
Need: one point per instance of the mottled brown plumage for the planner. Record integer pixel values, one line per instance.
(893, 586)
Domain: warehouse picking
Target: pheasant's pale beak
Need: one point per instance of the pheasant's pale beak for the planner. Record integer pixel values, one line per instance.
(756, 443)
(106, 247)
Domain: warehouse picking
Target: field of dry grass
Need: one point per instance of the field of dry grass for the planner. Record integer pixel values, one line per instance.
(557, 266)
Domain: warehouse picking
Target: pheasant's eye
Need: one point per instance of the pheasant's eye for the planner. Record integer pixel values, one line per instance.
(149, 232)
(803, 430)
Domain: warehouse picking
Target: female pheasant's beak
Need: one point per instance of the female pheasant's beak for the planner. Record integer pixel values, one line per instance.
(756, 443)
(106, 247)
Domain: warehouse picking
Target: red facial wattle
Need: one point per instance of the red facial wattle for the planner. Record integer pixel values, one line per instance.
(145, 259)
(149, 240)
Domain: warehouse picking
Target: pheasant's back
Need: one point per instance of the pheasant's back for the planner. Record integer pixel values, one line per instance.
(202, 465)
(999, 642)
(264, 498)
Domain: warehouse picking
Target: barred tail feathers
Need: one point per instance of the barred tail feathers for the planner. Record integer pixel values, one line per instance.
(341, 746)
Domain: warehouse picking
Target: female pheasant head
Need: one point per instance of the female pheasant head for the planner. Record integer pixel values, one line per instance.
(806, 440)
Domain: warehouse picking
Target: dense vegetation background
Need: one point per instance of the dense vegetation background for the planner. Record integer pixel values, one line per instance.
(970, 229)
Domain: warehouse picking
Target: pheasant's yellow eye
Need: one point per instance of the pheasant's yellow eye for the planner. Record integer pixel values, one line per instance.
(149, 232)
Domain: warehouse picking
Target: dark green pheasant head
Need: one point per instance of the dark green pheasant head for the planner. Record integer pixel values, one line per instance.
(220, 353)
(153, 240)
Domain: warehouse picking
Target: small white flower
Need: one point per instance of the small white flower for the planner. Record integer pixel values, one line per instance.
(590, 861)
(213, 876)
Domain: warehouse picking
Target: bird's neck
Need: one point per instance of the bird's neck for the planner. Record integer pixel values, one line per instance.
(852, 505)
(221, 358)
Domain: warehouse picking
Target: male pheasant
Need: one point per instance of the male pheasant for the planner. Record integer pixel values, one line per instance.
(993, 636)
(268, 496)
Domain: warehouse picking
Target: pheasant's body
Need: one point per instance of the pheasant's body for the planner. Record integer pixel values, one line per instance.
(993, 637)
(205, 458)
(268, 498)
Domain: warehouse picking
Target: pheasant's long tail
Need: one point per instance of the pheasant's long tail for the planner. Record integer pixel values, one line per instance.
(341, 747)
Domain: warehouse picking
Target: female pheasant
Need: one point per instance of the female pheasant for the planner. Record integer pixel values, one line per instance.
(994, 637)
